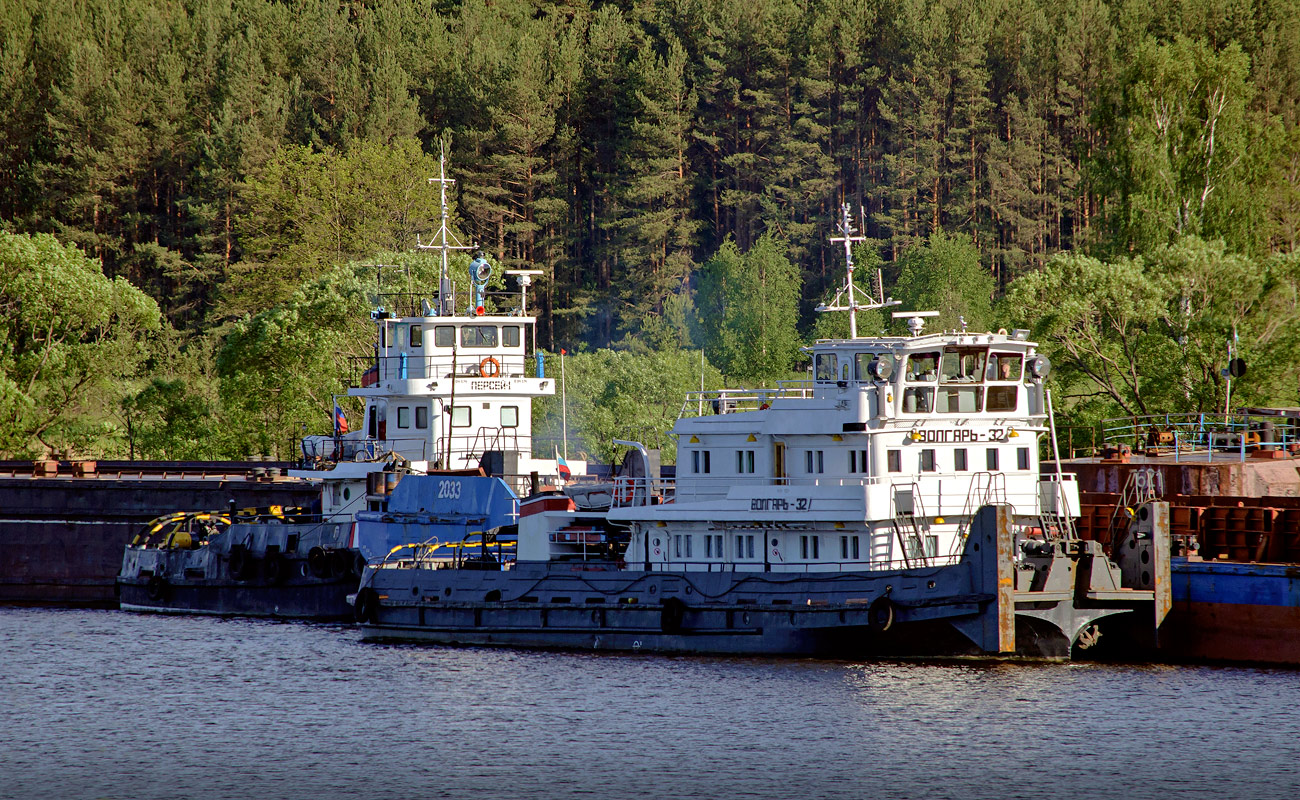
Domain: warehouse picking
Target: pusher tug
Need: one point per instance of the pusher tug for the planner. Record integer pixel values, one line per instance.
(892, 506)
(447, 389)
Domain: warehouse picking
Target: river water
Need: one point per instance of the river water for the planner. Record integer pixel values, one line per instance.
(101, 704)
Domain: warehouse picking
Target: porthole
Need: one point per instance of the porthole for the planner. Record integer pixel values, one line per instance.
(415, 591)
(347, 493)
(447, 592)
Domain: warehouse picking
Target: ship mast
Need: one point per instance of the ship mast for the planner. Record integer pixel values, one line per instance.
(877, 301)
(444, 240)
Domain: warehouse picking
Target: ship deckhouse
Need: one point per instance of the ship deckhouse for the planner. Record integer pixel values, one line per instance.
(880, 459)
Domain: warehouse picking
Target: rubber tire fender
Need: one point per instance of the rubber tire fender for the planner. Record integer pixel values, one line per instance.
(671, 614)
(880, 614)
(318, 561)
(275, 569)
(367, 606)
(341, 563)
(156, 588)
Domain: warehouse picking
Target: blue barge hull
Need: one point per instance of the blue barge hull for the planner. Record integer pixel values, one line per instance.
(1233, 611)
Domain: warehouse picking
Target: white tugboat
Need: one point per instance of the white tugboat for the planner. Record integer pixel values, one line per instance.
(891, 506)
(448, 390)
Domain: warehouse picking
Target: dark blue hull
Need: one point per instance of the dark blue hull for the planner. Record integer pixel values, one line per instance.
(1233, 611)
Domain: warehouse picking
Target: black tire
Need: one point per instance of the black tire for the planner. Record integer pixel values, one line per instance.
(318, 561)
(275, 569)
(880, 614)
(671, 615)
(241, 563)
(156, 588)
(340, 563)
(367, 606)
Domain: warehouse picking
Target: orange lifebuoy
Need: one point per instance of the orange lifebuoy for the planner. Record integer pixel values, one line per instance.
(489, 367)
(624, 488)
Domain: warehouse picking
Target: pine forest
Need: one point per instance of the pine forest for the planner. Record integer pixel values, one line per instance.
(194, 193)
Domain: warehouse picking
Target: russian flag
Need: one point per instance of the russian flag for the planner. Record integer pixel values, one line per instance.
(562, 466)
(340, 421)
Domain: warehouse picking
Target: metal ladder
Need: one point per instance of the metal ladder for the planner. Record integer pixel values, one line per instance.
(909, 508)
(985, 488)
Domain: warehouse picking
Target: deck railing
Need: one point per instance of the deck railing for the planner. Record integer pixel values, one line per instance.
(1199, 436)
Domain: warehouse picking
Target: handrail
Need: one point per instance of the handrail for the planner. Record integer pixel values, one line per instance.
(1196, 433)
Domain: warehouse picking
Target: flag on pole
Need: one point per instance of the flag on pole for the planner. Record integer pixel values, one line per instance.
(340, 421)
(562, 466)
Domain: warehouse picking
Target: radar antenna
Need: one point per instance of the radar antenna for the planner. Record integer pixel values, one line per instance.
(444, 239)
(875, 299)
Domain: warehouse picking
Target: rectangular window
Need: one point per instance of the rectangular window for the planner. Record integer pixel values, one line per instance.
(1022, 458)
(821, 461)
(960, 400)
(803, 547)
(444, 336)
(1004, 367)
(422, 417)
(826, 367)
(708, 545)
(740, 546)
(677, 545)
(963, 365)
(918, 400)
(922, 367)
(695, 461)
(417, 336)
(688, 539)
(744, 461)
(1003, 398)
(853, 461)
(383, 335)
(460, 417)
(478, 336)
(510, 335)
(992, 458)
(816, 540)
(807, 461)
(707, 465)
(510, 416)
(749, 546)
(856, 554)
(927, 460)
(895, 459)
(844, 548)
(403, 416)
(959, 459)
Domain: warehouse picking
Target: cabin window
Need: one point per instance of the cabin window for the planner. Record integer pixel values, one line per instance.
(895, 459)
(809, 548)
(849, 548)
(682, 545)
(372, 427)
(858, 461)
(1005, 367)
(744, 461)
(1022, 458)
(927, 460)
(510, 416)
(699, 461)
(826, 366)
(422, 417)
(963, 365)
(417, 336)
(383, 334)
(510, 335)
(403, 416)
(460, 416)
(444, 336)
(814, 461)
(478, 336)
(992, 458)
(960, 399)
(745, 546)
(713, 545)
(918, 400)
(959, 460)
(1003, 398)
(864, 364)
(922, 367)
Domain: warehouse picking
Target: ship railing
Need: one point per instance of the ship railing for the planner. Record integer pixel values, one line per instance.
(941, 494)
(728, 564)
(1198, 436)
(727, 401)
(420, 304)
(469, 363)
(322, 450)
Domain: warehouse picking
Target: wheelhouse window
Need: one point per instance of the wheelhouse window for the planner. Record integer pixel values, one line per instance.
(864, 364)
(460, 416)
(1005, 367)
(422, 416)
(1003, 398)
(510, 416)
(510, 335)
(417, 336)
(963, 365)
(444, 335)
(922, 367)
(478, 336)
(918, 400)
(827, 367)
(403, 416)
(960, 399)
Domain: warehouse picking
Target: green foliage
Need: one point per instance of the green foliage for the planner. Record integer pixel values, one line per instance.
(69, 337)
(944, 274)
(619, 394)
(748, 310)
